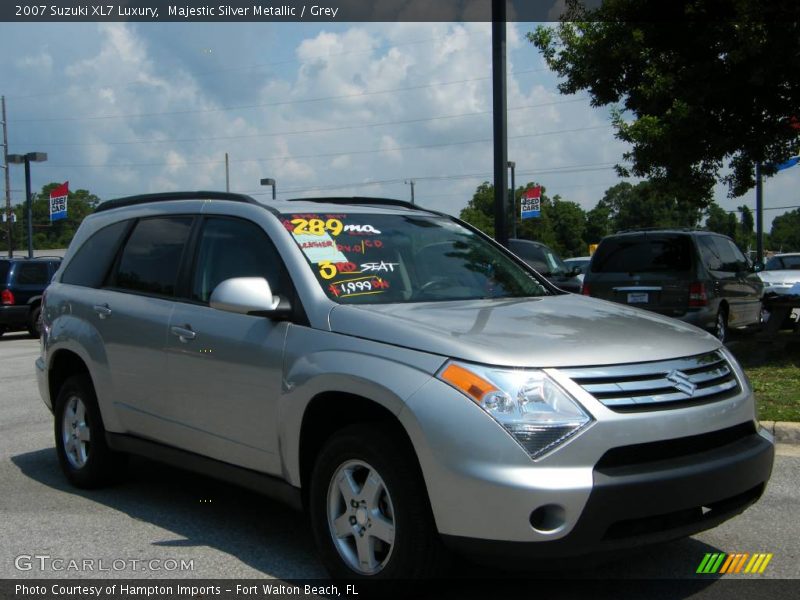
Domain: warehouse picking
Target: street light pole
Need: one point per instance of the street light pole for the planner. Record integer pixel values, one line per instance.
(759, 216)
(411, 182)
(269, 181)
(9, 224)
(27, 159)
(512, 165)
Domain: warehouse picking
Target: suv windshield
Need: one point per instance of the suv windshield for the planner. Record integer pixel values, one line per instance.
(383, 258)
(643, 255)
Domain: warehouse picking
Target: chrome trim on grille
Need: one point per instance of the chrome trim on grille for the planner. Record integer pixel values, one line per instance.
(648, 386)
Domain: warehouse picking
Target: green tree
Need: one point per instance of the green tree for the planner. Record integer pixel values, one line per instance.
(694, 84)
(47, 234)
(479, 211)
(598, 224)
(744, 235)
(785, 233)
(719, 220)
(646, 204)
(560, 226)
(568, 224)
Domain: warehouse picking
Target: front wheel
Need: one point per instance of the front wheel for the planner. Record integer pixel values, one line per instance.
(369, 508)
(83, 453)
(721, 326)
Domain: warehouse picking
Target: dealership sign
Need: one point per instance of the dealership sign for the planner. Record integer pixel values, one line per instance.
(531, 203)
(58, 202)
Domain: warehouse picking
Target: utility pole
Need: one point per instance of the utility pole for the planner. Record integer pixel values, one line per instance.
(9, 214)
(411, 182)
(499, 121)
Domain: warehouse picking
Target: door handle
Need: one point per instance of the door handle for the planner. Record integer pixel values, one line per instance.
(184, 334)
(102, 310)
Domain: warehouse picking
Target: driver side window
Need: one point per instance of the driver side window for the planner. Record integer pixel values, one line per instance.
(232, 247)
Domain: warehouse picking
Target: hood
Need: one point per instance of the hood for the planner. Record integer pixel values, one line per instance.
(551, 331)
(783, 276)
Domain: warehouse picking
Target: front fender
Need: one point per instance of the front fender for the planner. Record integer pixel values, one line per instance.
(317, 362)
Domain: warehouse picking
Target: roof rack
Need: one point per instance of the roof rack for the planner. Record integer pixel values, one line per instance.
(646, 229)
(167, 196)
(362, 200)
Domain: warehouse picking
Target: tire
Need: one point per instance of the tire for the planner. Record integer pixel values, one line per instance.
(721, 326)
(35, 322)
(389, 534)
(83, 453)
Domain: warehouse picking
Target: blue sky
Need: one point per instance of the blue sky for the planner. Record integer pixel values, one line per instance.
(342, 109)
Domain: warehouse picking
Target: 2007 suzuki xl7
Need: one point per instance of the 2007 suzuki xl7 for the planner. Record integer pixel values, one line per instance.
(412, 384)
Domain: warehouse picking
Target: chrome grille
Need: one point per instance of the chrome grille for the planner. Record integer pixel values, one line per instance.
(659, 385)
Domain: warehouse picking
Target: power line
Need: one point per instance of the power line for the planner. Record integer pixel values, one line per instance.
(296, 132)
(565, 170)
(324, 155)
(263, 104)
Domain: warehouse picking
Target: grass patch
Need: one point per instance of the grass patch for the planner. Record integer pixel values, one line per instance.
(774, 370)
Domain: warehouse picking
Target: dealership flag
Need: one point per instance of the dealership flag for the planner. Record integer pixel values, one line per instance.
(531, 201)
(58, 202)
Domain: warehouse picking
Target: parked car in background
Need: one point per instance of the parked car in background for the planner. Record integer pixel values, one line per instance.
(22, 283)
(579, 262)
(544, 259)
(781, 273)
(403, 378)
(696, 276)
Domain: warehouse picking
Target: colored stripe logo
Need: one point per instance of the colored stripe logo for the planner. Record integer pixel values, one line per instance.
(739, 562)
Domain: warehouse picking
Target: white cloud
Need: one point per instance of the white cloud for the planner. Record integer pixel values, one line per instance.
(385, 87)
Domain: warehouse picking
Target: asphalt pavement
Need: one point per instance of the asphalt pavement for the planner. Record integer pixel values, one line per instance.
(160, 522)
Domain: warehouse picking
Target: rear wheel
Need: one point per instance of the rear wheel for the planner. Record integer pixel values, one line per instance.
(85, 458)
(35, 322)
(369, 509)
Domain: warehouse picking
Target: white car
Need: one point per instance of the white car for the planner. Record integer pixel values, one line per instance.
(781, 274)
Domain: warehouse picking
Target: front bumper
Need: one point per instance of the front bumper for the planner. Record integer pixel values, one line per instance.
(652, 500)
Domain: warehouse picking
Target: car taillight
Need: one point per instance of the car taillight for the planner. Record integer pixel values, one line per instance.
(6, 297)
(697, 294)
(585, 290)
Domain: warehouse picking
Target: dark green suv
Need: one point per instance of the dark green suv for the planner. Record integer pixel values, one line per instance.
(22, 283)
(696, 276)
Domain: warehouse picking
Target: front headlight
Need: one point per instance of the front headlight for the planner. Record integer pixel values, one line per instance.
(533, 408)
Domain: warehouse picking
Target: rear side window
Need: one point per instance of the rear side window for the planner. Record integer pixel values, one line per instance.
(33, 273)
(91, 262)
(152, 256)
(730, 256)
(235, 248)
(643, 255)
(4, 268)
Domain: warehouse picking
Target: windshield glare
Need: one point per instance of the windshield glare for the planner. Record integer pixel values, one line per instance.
(382, 258)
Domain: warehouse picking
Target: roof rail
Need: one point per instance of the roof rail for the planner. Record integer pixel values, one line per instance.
(646, 229)
(167, 196)
(362, 200)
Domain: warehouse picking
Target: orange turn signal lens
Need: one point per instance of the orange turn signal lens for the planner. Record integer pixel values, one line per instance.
(473, 386)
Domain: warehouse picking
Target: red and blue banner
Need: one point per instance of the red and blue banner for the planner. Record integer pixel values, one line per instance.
(58, 202)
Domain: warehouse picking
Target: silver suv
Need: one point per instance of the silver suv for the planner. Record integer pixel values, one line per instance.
(412, 385)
